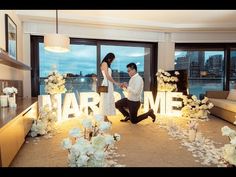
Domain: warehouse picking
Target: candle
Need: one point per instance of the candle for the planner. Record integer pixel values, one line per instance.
(4, 100)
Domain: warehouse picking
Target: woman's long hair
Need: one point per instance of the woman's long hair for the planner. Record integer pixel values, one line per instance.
(108, 59)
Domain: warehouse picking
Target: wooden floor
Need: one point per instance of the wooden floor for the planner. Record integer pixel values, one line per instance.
(144, 145)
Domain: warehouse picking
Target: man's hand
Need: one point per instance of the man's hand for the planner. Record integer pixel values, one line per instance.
(124, 85)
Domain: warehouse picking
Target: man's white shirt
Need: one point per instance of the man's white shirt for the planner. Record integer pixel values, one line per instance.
(135, 88)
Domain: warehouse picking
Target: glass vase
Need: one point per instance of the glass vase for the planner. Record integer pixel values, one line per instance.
(12, 100)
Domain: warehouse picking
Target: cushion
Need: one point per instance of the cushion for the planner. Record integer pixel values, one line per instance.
(232, 95)
(224, 104)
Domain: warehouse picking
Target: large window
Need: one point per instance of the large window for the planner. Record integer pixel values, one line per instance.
(79, 65)
(82, 63)
(210, 66)
(125, 55)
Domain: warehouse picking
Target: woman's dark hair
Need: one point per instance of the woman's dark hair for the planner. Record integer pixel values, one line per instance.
(132, 66)
(108, 59)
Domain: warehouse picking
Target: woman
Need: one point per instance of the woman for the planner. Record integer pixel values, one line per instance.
(107, 102)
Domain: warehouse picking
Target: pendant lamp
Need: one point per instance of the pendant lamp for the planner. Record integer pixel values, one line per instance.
(56, 42)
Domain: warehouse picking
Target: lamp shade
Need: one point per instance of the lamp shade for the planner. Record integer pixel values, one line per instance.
(56, 43)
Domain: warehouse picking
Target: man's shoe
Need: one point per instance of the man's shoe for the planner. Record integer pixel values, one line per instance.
(125, 119)
(152, 115)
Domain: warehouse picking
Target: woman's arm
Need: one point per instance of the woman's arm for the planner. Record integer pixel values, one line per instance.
(104, 68)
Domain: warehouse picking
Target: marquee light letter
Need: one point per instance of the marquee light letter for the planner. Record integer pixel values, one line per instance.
(85, 103)
(160, 98)
(170, 103)
(70, 106)
(46, 100)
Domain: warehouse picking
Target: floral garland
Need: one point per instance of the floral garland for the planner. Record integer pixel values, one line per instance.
(165, 81)
(55, 83)
(45, 123)
(90, 147)
(194, 108)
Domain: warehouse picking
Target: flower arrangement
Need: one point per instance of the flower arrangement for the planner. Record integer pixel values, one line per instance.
(45, 123)
(89, 147)
(229, 150)
(10, 90)
(55, 83)
(194, 108)
(165, 81)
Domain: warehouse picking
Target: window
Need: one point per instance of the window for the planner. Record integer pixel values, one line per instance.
(141, 56)
(79, 64)
(82, 63)
(205, 68)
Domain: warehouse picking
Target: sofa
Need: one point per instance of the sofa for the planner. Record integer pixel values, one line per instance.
(224, 107)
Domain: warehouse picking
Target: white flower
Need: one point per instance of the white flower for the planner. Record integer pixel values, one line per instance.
(233, 141)
(87, 123)
(117, 137)
(99, 117)
(109, 139)
(75, 132)
(226, 131)
(229, 153)
(176, 73)
(99, 155)
(82, 160)
(104, 126)
(98, 142)
(66, 143)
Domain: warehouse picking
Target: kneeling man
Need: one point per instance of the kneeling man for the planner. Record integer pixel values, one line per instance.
(132, 102)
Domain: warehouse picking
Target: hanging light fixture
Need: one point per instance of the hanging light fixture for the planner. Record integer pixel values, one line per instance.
(56, 42)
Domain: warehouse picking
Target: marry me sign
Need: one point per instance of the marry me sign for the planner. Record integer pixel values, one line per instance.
(165, 103)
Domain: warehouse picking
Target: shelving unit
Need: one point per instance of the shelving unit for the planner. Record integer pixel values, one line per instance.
(7, 60)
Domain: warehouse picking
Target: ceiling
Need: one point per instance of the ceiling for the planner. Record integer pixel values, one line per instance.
(157, 20)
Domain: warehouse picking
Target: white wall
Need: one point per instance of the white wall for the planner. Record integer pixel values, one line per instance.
(6, 72)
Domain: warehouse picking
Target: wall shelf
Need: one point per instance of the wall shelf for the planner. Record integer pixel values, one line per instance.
(7, 60)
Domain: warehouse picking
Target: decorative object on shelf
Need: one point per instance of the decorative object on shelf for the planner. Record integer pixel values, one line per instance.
(45, 123)
(11, 92)
(194, 108)
(56, 42)
(11, 37)
(4, 100)
(166, 82)
(229, 150)
(90, 147)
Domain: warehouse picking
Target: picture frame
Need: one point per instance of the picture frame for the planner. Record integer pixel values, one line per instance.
(11, 37)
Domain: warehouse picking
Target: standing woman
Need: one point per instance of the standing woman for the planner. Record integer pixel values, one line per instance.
(107, 102)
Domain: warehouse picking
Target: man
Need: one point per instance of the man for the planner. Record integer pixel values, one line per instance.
(132, 102)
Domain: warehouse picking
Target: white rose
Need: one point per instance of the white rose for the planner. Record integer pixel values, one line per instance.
(99, 117)
(176, 73)
(233, 141)
(82, 160)
(98, 142)
(75, 132)
(87, 123)
(226, 131)
(109, 139)
(99, 155)
(66, 143)
(104, 126)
